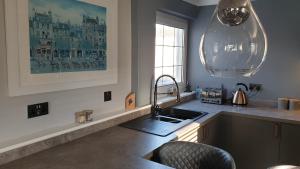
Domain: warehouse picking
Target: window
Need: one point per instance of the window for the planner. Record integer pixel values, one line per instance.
(170, 48)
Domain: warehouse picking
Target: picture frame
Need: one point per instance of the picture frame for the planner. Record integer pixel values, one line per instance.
(25, 77)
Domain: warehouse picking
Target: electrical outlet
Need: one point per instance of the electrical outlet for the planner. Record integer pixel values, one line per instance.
(107, 96)
(37, 110)
(255, 87)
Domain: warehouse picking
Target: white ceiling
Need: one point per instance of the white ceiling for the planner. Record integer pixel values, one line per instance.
(202, 2)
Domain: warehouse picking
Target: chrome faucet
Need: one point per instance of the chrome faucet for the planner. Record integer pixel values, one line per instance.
(155, 107)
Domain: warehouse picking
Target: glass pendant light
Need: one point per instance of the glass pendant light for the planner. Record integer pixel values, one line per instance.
(235, 43)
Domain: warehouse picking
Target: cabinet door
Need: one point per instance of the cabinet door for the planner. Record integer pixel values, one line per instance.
(208, 134)
(290, 144)
(253, 143)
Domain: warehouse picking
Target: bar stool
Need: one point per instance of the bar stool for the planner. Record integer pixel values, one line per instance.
(187, 155)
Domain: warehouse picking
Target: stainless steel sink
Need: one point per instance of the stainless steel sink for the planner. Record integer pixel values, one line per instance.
(168, 121)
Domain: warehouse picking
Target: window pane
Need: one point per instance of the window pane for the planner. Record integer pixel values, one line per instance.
(159, 34)
(178, 56)
(158, 72)
(178, 72)
(169, 36)
(168, 71)
(179, 37)
(169, 53)
(158, 56)
(168, 59)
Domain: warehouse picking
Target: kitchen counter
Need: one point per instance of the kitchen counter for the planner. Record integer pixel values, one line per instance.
(113, 148)
(253, 110)
(118, 147)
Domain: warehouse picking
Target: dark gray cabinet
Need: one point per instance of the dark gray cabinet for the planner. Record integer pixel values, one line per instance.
(208, 133)
(290, 144)
(253, 143)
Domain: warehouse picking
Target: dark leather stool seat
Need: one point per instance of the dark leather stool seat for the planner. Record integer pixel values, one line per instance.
(186, 155)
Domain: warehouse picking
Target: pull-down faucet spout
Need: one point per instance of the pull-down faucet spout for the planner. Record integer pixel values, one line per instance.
(155, 107)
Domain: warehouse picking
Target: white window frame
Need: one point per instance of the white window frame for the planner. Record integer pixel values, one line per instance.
(173, 21)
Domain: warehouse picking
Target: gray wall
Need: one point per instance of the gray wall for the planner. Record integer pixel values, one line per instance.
(144, 19)
(13, 110)
(280, 74)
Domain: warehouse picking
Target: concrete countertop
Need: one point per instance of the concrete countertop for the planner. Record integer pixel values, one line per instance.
(113, 148)
(118, 147)
(253, 110)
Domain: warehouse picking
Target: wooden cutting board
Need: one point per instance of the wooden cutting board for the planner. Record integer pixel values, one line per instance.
(130, 101)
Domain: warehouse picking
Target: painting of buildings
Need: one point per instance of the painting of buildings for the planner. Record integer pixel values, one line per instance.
(67, 36)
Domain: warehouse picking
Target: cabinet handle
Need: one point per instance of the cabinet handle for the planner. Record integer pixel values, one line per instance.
(277, 130)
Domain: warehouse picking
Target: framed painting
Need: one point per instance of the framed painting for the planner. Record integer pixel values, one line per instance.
(60, 44)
